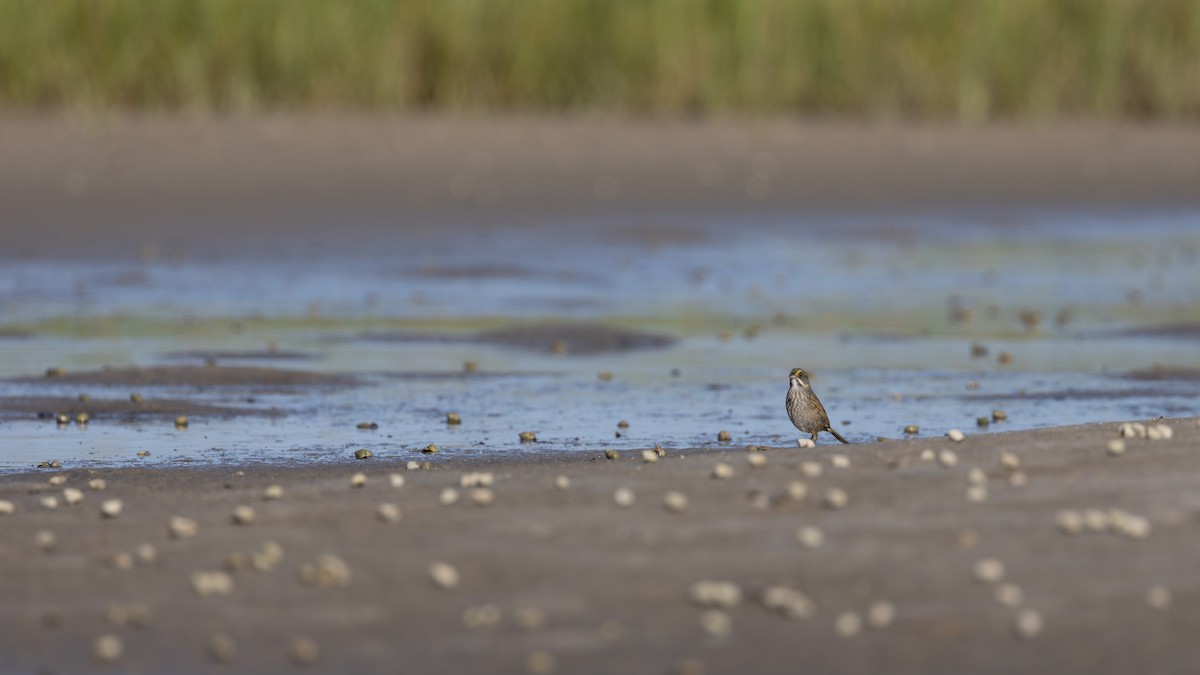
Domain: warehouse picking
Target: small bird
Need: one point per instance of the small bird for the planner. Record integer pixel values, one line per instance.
(805, 409)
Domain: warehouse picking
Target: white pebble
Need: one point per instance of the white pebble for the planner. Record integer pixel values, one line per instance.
(412, 466)
(796, 490)
(1158, 597)
(482, 616)
(328, 571)
(810, 537)
(273, 492)
(1017, 478)
(242, 515)
(756, 460)
(97, 484)
(268, 557)
(448, 496)
(676, 502)
(7, 508)
(724, 594)
(649, 456)
(1009, 595)
(976, 476)
(562, 482)
(49, 502)
(722, 471)
(146, 554)
(805, 443)
(122, 560)
(72, 496)
(989, 570)
(1010, 461)
(977, 493)
(623, 497)
(45, 540)
(811, 469)
(835, 498)
(839, 462)
(1095, 520)
(947, 458)
(1069, 522)
(1159, 432)
(1116, 447)
(788, 601)
(358, 480)
(483, 496)
(848, 624)
(108, 648)
(1027, 624)
(443, 575)
(210, 583)
(955, 435)
(396, 480)
(881, 614)
(182, 528)
(58, 480)
(1135, 527)
(476, 479)
(716, 623)
(111, 508)
(1132, 430)
(388, 512)
(928, 455)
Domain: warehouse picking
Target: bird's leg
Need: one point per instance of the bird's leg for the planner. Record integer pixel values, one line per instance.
(814, 437)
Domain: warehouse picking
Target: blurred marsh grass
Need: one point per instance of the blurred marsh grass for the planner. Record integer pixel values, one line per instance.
(973, 59)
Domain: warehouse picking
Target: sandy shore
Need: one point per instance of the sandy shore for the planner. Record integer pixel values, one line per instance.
(583, 585)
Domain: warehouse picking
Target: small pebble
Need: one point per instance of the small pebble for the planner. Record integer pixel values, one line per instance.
(947, 458)
(623, 424)
(811, 469)
(676, 502)
(1009, 461)
(529, 618)
(788, 601)
(796, 490)
(476, 479)
(431, 449)
(182, 528)
(989, 570)
(1116, 446)
(482, 616)
(304, 651)
(45, 540)
(724, 436)
(881, 614)
(388, 512)
(122, 560)
(623, 497)
(111, 508)
(242, 515)
(1159, 432)
(716, 623)
(1069, 522)
(1027, 624)
(611, 454)
(82, 419)
(143, 453)
(443, 575)
(62, 419)
(605, 375)
(367, 426)
(146, 554)
(928, 455)
(482, 496)
(810, 537)
(955, 435)
(181, 422)
(1132, 430)
(756, 460)
(97, 484)
(222, 648)
(722, 471)
(723, 594)
(1095, 520)
(660, 451)
(999, 415)
(1009, 595)
(1158, 597)
(848, 624)
(108, 648)
(453, 418)
(49, 502)
(363, 453)
(412, 466)
(136, 398)
(912, 429)
(540, 662)
(58, 480)
(72, 496)
(210, 583)
(396, 480)
(977, 493)
(273, 492)
(649, 456)
(7, 508)
(328, 571)
(982, 421)
(976, 476)
(1017, 478)
(839, 462)
(562, 482)
(358, 480)
(1135, 527)
(835, 498)
(805, 443)
(267, 559)
(527, 436)
(448, 496)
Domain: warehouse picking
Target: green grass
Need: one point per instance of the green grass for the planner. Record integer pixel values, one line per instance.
(947, 59)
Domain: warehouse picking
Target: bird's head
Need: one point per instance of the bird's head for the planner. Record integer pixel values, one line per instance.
(798, 376)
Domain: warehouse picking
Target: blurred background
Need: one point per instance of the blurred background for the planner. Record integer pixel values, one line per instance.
(939, 208)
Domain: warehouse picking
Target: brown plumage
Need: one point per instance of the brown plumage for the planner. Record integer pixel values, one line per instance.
(805, 409)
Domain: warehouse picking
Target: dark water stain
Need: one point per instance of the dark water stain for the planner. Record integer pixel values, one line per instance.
(121, 410)
(249, 355)
(192, 376)
(549, 338)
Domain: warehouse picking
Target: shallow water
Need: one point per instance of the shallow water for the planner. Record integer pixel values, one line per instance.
(884, 314)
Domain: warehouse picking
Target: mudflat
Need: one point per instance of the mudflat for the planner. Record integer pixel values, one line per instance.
(554, 575)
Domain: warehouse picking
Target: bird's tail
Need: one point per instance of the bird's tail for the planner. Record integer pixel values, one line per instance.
(838, 436)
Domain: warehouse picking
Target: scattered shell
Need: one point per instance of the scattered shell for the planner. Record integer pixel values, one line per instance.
(453, 418)
(62, 419)
(211, 582)
(222, 648)
(7, 508)
(482, 616)
(58, 480)
(1132, 430)
(268, 557)
(143, 453)
(529, 618)
(111, 508)
(108, 648)
(396, 480)
(540, 662)
(1069, 522)
(810, 536)
(716, 623)
(97, 484)
(49, 502)
(649, 456)
(327, 571)
(412, 466)
(623, 424)
(1134, 527)
(722, 471)
(1159, 432)
(676, 502)
(988, 570)
(605, 375)
(476, 479)
(527, 436)
(848, 624)
(976, 476)
(928, 455)
(796, 490)
(999, 415)
(1158, 597)
(955, 435)
(623, 497)
(447, 496)
(358, 480)
(1116, 446)
(146, 554)
(839, 461)
(388, 512)
(1009, 595)
(912, 429)
(658, 450)
(72, 496)
(977, 493)
(272, 492)
(805, 443)
(1095, 520)
(182, 528)
(363, 453)
(45, 540)
(724, 594)
(443, 575)
(304, 651)
(835, 498)
(811, 469)
(611, 454)
(242, 515)
(122, 560)
(947, 458)
(1009, 461)
(724, 436)
(181, 422)
(483, 496)
(82, 419)
(367, 426)
(562, 482)
(756, 460)
(881, 614)
(1027, 624)
(1017, 478)
(431, 449)
(787, 601)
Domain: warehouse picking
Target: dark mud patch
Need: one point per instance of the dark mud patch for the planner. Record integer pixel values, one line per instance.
(47, 407)
(575, 338)
(1113, 393)
(1159, 373)
(194, 376)
(247, 355)
(1173, 331)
